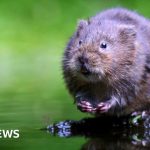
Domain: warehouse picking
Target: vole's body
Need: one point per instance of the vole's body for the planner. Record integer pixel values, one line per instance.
(107, 63)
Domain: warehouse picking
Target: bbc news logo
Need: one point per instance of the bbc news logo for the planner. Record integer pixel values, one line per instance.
(9, 134)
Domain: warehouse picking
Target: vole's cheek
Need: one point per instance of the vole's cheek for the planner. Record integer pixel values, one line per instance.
(106, 61)
(73, 64)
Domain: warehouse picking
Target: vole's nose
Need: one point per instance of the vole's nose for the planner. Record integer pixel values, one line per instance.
(84, 70)
(83, 60)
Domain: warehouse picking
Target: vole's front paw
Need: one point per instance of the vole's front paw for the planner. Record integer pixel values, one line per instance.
(103, 107)
(85, 106)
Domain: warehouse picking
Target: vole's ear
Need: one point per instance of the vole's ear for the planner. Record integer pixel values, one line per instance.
(127, 32)
(81, 25)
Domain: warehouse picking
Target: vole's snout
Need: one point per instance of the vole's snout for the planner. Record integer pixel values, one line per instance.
(83, 59)
(84, 70)
(83, 66)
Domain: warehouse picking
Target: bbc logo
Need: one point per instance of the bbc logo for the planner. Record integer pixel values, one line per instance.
(9, 134)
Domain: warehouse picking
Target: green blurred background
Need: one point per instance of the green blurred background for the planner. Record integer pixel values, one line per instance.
(33, 35)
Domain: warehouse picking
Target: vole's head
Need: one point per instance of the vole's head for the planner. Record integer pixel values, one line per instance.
(100, 50)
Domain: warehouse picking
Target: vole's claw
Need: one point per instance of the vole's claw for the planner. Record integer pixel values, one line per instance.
(86, 103)
(85, 106)
(103, 107)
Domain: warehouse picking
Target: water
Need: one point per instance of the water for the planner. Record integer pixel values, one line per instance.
(33, 34)
(28, 113)
(127, 132)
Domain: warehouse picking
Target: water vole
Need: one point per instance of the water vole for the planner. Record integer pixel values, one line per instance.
(106, 64)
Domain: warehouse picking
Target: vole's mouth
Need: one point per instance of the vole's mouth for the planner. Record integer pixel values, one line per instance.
(85, 71)
(89, 75)
(84, 67)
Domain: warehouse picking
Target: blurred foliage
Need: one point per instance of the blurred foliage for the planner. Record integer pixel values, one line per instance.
(33, 35)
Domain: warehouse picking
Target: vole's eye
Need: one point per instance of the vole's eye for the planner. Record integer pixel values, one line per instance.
(80, 42)
(103, 45)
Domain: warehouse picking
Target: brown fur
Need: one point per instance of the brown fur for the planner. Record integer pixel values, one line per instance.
(121, 72)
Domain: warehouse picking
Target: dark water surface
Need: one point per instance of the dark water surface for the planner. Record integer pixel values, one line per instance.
(106, 132)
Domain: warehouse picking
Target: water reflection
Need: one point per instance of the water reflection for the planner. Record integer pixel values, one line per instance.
(108, 133)
(113, 144)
